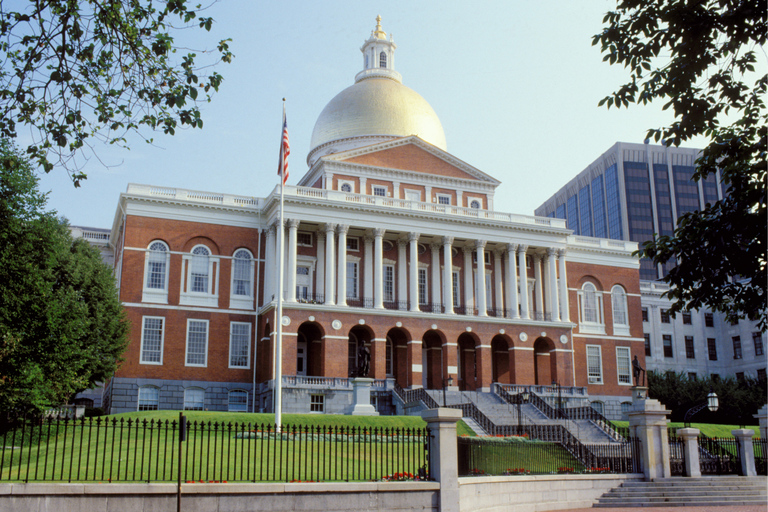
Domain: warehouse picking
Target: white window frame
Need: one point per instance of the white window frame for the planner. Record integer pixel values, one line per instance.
(190, 321)
(456, 292)
(423, 279)
(353, 278)
(316, 403)
(620, 311)
(299, 234)
(380, 188)
(595, 325)
(237, 301)
(239, 406)
(475, 198)
(208, 298)
(156, 295)
(353, 243)
(600, 409)
(443, 197)
(623, 366)
(143, 351)
(388, 283)
(191, 400)
(594, 378)
(351, 184)
(155, 392)
(232, 347)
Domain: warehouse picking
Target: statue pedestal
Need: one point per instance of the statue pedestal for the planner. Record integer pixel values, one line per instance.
(361, 390)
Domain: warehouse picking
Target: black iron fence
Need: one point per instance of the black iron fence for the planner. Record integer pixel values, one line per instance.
(719, 456)
(521, 456)
(127, 450)
(760, 447)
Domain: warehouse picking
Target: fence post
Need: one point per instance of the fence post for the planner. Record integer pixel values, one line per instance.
(648, 422)
(690, 438)
(443, 454)
(762, 418)
(746, 451)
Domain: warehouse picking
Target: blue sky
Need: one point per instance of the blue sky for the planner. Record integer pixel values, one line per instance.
(515, 84)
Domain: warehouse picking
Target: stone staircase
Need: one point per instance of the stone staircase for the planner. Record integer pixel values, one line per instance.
(678, 492)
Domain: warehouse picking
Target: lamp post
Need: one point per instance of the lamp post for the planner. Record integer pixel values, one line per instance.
(449, 380)
(521, 398)
(559, 391)
(712, 403)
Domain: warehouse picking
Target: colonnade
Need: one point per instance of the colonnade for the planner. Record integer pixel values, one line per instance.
(511, 294)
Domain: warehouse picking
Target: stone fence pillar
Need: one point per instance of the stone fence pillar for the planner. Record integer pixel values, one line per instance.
(691, 449)
(744, 438)
(443, 453)
(648, 422)
(762, 419)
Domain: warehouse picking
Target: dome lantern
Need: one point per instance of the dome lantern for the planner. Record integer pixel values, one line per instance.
(379, 56)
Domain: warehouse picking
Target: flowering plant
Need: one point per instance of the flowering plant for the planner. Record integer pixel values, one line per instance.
(517, 471)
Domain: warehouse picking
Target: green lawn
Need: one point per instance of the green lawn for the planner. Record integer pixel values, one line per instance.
(495, 456)
(708, 429)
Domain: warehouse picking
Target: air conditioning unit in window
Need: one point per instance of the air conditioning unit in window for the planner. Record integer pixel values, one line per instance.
(594, 380)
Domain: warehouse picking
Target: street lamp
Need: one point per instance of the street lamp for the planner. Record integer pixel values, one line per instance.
(521, 398)
(712, 403)
(449, 380)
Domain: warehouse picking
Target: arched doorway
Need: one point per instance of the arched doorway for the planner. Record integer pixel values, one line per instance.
(502, 360)
(545, 362)
(397, 356)
(359, 336)
(467, 362)
(309, 350)
(432, 360)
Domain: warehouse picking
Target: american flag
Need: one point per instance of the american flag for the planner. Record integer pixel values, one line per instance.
(285, 150)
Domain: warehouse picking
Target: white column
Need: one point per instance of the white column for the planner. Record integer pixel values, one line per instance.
(564, 306)
(448, 274)
(413, 292)
(290, 284)
(482, 299)
(363, 186)
(469, 300)
(435, 294)
(511, 288)
(538, 296)
(525, 310)
(330, 267)
(320, 274)
(368, 293)
(402, 275)
(497, 286)
(555, 301)
(458, 198)
(546, 284)
(378, 268)
(396, 189)
(269, 265)
(341, 286)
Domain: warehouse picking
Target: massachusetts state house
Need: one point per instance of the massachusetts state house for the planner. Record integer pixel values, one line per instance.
(391, 243)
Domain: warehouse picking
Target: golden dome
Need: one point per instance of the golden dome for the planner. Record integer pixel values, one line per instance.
(377, 107)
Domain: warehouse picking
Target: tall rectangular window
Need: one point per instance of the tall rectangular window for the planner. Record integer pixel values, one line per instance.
(389, 283)
(585, 212)
(560, 212)
(379, 191)
(613, 203)
(594, 364)
(686, 318)
(197, 343)
(645, 314)
(623, 365)
(637, 186)
(422, 286)
(686, 190)
(598, 206)
(664, 316)
(689, 350)
(757, 339)
(647, 344)
(455, 291)
(352, 280)
(152, 340)
(712, 349)
(239, 344)
(667, 339)
(241, 273)
(736, 347)
(709, 319)
(573, 214)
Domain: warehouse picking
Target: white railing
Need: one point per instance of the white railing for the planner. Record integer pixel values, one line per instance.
(322, 382)
(194, 196)
(564, 391)
(601, 243)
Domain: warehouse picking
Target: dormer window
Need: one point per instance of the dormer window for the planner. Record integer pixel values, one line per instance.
(382, 60)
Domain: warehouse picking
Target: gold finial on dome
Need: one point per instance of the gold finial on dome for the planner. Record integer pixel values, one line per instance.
(378, 33)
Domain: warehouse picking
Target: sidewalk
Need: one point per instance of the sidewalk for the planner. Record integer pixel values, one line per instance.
(740, 508)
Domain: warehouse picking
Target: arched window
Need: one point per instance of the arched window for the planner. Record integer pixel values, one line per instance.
(346, 187)
(352, 355)
(389, 368)
(241, 273)
(590, 310)
(199, 271)
(474, 204)
(156, 273)
(149, 397)
(598, 406)
(194, 399)
(238, 401)
(382, 60)
(619, 308)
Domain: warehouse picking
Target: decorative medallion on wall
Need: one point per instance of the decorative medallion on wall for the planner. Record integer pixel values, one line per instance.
(469, 329)
(563, 339)
(286, 321)
(398, 324)
(311, 319)
(501, 331)
(336, 324)
(361, 321)
(434, 326)
(523, 336)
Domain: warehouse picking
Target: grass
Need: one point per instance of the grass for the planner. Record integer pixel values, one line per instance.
(511, 456)
(708, 429)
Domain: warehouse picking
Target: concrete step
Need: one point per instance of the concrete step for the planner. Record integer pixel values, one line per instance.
(476, 428)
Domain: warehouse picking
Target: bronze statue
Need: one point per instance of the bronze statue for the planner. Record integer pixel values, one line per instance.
(363, 360)
(636, 370)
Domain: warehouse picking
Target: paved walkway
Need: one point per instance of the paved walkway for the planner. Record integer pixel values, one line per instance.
(739, 508)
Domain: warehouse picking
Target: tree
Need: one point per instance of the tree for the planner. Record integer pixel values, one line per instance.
(62, 327)
(699, 58)
(79, 72)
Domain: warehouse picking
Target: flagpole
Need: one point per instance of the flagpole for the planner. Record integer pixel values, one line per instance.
(280, 277)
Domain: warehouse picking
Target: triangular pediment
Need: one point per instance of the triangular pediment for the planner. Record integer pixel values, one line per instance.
(413, 155)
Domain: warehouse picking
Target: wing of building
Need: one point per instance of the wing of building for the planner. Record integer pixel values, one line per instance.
(392, 244)
(629, 193)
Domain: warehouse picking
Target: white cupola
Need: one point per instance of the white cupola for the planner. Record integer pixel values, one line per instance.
(379, 56)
